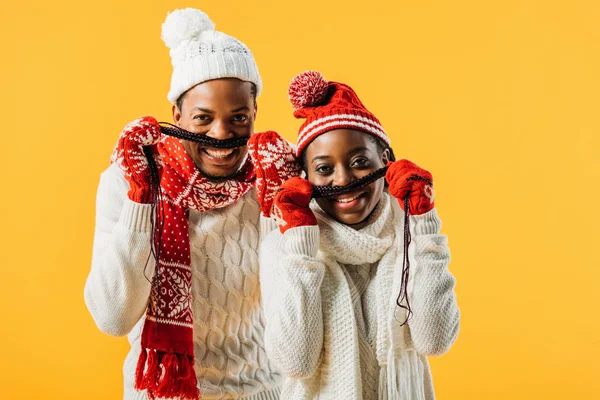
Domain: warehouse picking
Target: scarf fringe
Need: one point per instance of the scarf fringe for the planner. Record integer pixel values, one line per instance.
(166, 375)
(393, 385)
(382, 392)
(403, 376)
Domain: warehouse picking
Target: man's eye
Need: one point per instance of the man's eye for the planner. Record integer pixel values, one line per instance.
(202, 117)
(240, 118)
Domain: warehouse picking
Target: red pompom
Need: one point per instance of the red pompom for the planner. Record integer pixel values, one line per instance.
(308, 89)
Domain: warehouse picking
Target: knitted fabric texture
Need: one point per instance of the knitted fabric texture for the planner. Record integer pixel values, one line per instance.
(129, 155)
(405, 178)
(363, 289)
(291, 206)
(230, 359)
(274, 163)
(312, 331)
(327, 106)
(199, 53)
(166, 363)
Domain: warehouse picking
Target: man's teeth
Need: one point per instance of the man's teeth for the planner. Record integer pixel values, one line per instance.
(219, 153)
(348, 200)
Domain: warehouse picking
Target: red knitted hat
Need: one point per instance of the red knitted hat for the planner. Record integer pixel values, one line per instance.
(328, 106)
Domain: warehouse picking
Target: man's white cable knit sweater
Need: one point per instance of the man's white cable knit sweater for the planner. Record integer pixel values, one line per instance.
(231, 361)
(329, 296)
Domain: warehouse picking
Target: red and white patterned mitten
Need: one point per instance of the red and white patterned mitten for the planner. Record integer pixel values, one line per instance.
(274, 163)
(406, 178)
(290, 207)
(129, 156)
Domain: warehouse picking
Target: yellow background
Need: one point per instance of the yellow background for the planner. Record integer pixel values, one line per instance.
(499, 99)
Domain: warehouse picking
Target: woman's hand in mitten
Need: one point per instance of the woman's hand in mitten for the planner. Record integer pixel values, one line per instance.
(132, 158)
(274, 163)
(290, 206)
(406, 178)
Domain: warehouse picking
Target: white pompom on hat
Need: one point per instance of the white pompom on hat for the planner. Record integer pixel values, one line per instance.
(199, 53)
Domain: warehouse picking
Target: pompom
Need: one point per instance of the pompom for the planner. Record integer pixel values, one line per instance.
(185, 24)
(308, 89)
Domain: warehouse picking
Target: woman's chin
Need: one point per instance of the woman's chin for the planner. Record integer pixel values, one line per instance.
(347, 217)
(354, 212)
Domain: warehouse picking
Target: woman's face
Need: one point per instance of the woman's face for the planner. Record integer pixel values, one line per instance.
(339, 157)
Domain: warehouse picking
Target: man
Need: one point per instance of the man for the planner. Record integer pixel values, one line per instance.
(197, 309)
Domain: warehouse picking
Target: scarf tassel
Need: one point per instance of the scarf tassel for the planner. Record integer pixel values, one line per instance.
(402, 377)
(383, 392)
(167, 375)
(393, 384)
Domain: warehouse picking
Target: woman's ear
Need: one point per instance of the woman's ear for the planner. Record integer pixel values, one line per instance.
(385, 156)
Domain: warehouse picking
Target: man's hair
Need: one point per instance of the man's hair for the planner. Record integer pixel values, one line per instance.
(179, 102)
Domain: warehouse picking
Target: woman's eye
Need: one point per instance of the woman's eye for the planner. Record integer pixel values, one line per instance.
(240, 118)
(361, 162)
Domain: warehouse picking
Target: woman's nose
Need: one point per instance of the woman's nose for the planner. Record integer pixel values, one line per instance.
(342, 177)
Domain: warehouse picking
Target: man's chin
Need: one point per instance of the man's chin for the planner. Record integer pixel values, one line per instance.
(219, 172)
(216, 174)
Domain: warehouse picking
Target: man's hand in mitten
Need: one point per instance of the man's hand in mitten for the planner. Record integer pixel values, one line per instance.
(274, 163)
(131, 158)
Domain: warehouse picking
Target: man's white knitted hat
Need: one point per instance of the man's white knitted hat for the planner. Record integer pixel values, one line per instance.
(199, 53)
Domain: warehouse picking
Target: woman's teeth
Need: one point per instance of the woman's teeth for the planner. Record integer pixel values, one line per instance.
(219, 153)
(349, 199)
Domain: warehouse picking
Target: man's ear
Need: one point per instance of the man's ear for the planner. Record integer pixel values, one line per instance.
(255, 109)
(385, 156)
(176, 114)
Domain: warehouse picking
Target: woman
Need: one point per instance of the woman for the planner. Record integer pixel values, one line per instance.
(347, 316)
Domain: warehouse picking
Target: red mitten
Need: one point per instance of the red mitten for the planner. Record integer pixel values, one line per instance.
(406, 178)
(129, 155)
(274, 163)
(290, 207)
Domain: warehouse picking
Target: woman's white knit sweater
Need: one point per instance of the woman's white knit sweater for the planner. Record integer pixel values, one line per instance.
(231, 361)
(323, 303)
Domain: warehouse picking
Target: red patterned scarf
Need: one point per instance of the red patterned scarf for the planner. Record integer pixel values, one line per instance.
(166, 364)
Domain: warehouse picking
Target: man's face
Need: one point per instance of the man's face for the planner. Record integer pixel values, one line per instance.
(221, 109)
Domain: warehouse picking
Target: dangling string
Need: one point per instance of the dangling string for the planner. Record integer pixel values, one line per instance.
(403, 301)
(157, 216)
(403, 295)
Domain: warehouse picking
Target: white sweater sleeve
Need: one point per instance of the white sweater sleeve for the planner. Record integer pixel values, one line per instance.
(435, 321)
(290, 278)
(118, 288)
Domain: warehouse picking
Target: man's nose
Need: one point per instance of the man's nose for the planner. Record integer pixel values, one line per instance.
(220, 130)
